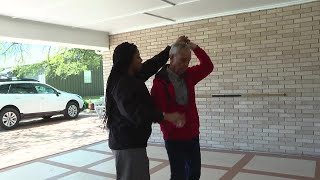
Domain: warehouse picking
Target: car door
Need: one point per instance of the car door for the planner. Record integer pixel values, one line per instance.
(24, 96)
(5, 99)
(50, 100)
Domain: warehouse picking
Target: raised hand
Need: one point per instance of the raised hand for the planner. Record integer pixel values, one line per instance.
(183, 39)
(192, 45)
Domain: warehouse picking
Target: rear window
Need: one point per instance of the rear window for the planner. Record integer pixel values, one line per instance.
(4, 89)
(22, 89)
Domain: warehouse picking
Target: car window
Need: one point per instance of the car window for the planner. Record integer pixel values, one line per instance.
(4, 89)
(43, 89)
(22, 88)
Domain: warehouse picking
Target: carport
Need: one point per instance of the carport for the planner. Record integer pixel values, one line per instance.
(259, 109)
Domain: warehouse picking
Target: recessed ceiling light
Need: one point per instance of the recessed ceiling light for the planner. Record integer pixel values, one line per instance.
(161, 17)
(169, 2)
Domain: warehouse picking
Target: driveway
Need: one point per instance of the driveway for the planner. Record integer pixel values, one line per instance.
(38, 138)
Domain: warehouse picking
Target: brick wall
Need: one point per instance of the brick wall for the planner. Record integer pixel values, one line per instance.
(269, 51)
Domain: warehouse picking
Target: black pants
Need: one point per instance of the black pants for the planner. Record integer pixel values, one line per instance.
(185, 159)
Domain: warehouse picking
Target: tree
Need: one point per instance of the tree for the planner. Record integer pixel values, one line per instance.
(16, 51)
(72, 62)
(28, 70)
(64, 63)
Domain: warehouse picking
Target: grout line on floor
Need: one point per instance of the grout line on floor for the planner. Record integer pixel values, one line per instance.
(237, 167)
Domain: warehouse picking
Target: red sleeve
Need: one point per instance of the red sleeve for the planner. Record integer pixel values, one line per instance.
(199, 72)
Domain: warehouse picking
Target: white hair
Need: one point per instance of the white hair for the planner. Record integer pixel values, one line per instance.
(176, 47)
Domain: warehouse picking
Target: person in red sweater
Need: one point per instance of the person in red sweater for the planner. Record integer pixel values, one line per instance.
(174, 91)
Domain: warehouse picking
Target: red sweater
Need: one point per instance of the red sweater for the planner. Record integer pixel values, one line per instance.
(164, 97)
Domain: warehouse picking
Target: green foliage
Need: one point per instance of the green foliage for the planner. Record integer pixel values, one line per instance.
(72, 62)
(63, 64)
(29, 70)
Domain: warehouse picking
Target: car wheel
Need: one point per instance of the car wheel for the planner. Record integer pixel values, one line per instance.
(72, 110)
(46, 117)
(10, 118)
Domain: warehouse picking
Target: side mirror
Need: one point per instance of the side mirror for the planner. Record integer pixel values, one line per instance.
(58, 93)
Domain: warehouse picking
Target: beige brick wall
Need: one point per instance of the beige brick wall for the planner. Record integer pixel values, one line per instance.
(269, 51)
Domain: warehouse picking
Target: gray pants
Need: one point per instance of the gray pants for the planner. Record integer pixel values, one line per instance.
(132, 164)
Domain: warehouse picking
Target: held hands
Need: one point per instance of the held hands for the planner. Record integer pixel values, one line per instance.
(177, 119)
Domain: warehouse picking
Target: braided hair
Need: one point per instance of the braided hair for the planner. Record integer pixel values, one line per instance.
(122, 59)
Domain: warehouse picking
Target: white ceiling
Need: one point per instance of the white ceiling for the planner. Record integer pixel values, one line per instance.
(115, 16)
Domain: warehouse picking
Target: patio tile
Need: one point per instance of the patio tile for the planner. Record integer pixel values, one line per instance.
(211, 174)
(153, 164)
(106, 167)
(247, 176)
(220, 159)
(79, 158)
(162, 174)
(84, 176)
(207, 174)
(34, 171)
(157, 152)
(282, 165)
(109, 166)
(101, 147)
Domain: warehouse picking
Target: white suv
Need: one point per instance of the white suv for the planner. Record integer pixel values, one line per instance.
(21, 99)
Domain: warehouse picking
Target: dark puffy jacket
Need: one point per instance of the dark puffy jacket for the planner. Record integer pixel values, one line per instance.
(131, 119)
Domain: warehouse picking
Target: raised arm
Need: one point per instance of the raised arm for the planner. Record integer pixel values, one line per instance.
(152, 66)
(205, 67)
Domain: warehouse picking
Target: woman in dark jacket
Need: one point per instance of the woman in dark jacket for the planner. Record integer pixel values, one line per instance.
(130, 109)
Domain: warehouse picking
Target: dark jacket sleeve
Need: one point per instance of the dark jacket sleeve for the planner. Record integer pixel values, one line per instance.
(133, 104)
(152, 66)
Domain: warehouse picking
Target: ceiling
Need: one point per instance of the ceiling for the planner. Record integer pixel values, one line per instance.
(116, 16)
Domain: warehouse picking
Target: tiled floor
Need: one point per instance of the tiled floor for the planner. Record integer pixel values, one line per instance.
(96, 162)
(39, 138)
